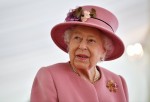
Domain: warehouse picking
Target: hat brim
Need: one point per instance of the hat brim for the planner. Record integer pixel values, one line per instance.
(57, 34)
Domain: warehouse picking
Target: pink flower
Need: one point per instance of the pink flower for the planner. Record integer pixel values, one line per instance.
(86, 15)
(80, 15)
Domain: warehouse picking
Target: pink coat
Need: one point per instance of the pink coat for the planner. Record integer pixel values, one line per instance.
(58, 83)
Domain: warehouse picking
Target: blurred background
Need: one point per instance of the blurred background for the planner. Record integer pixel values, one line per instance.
(26, 46)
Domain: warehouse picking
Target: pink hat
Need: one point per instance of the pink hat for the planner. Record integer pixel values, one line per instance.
(91, 16)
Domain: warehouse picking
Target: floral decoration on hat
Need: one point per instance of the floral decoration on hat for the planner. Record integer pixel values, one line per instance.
(112, 86)
(79, 14)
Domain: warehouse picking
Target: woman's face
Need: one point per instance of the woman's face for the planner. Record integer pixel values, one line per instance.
(85, 47)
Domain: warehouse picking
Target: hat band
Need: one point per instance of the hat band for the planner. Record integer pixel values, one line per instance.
(73, 19)
(104, 22)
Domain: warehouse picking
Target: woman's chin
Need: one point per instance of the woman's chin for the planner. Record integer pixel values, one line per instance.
(81, 65)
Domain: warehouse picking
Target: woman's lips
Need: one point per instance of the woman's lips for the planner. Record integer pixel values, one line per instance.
(82, 57)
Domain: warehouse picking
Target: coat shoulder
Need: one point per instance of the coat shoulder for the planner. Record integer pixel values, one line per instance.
(57, 66)
(108, 72)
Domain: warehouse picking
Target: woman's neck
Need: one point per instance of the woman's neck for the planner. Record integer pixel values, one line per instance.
(91, 74)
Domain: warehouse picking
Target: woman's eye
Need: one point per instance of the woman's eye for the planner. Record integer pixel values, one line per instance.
(91, 41)
(77, 38)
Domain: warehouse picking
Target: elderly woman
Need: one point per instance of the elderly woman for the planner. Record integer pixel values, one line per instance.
(88, 36)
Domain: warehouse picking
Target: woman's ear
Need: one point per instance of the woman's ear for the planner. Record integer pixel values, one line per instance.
(102, 58)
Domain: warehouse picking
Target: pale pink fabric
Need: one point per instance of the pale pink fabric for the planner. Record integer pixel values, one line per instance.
(58, 83)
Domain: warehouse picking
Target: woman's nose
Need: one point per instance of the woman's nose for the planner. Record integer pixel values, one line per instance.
(83, 45)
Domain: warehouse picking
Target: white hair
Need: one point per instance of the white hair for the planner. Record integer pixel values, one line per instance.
(108, 46)
(67, 35)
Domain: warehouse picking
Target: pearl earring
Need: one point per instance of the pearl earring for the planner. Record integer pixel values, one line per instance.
(101, 59)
